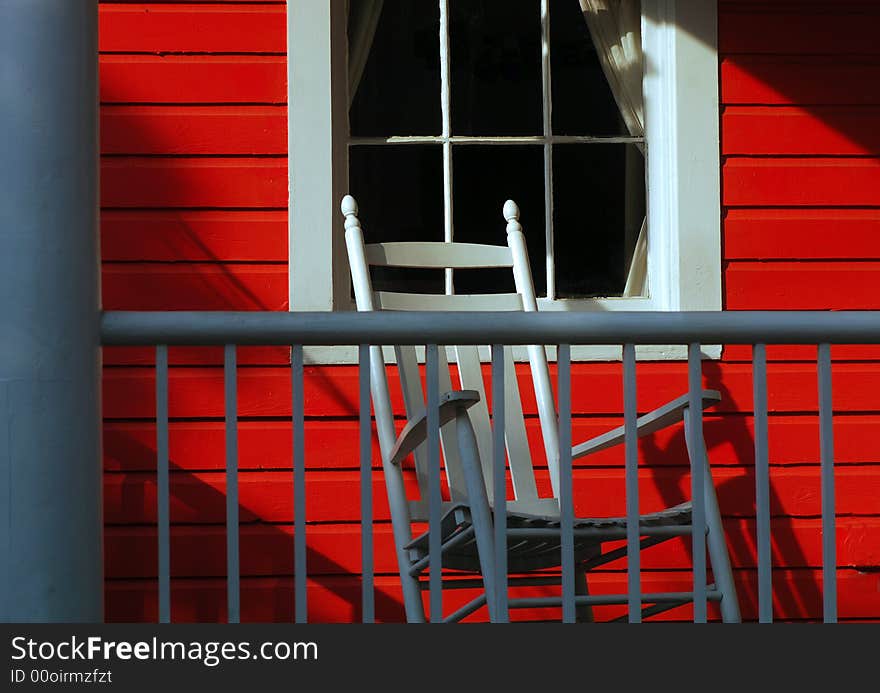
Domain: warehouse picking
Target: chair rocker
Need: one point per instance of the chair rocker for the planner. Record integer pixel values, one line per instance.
(466, 438)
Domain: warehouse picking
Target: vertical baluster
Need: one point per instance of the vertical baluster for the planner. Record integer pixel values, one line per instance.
(631, 446)
(162, 489)
(566, 494)
(233, 595)
(300, 567)
(367, 580)
(762, 485)
(499, 483)
(829, 528)
(434, 495)
(697, 453)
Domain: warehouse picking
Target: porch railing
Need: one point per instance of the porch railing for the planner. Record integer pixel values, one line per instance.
(561, 329)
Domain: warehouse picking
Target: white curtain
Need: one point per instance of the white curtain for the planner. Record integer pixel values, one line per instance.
(362, 23)
(615, 28)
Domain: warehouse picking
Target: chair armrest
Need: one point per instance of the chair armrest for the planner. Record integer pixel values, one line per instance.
(416, 430)
(670, 413)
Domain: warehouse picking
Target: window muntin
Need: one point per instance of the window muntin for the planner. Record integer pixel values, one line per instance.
(582, 192)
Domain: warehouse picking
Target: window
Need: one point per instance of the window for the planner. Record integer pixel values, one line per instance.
(443, 92)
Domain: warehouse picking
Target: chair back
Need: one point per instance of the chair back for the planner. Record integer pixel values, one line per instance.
(470, 371)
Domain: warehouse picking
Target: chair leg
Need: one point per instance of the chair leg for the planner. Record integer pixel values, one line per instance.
(717, 543)
(719, 557)
(412, 591)
(478, 502)
(412, 598)
(584, 612)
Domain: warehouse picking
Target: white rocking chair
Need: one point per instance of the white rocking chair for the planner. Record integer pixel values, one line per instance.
(466, 437)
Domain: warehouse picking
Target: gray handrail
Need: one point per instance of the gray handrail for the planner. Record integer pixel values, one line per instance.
(348, 328)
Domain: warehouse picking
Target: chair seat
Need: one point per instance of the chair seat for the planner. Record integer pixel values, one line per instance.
(543, 550)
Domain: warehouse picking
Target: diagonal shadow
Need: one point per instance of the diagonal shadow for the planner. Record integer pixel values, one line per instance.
(200, 494)
(799, 93)
(228, 292)
(789, 598)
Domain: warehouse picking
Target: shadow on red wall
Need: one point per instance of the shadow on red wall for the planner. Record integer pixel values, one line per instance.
(767, 60)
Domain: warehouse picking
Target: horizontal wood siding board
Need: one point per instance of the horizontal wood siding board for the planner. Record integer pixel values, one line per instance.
(802, 286)
(800, 131)
(128, 182)
(196, 356)
(193, 236)
(152, 28)
(332, 391)
(194, 287)
(199, 130)
(176, 79)
(334, 496)
(198, 551)
(191, 2)
(333, 444)
(793, 182)
(821, 28)
(799, 80)
(801, 234)
(337, 599)
(130, 446)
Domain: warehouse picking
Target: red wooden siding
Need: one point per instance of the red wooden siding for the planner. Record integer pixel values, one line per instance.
(172, 28)
(194, 194)
(336, 548)
(336, 598)
(193, 130)
(201, 236)
(199, 497)
(194, 170)
(820, 234)
(801, 221)
(193, 190)
(192, 79)
(800, 147)
(161, 183)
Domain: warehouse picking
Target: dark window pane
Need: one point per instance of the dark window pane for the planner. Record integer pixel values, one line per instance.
(399, 190)
(399, 90)
(583, 103)
(495, 50)
(483, 178)
(598, 207)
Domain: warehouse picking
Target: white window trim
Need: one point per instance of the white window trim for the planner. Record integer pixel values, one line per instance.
(681, 96)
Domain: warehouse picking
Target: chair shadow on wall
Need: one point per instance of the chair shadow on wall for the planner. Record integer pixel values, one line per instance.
(736, 496)
(793, 598)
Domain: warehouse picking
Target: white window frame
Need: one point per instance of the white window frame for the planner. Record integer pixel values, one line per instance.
(681, 128)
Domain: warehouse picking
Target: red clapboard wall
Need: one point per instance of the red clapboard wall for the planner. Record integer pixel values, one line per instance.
(194, 217)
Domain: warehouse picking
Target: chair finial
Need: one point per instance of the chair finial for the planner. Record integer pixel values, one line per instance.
(349, 205)
(511, 214)
(349, 208)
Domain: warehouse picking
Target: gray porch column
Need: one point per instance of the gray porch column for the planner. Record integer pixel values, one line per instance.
(50, 473)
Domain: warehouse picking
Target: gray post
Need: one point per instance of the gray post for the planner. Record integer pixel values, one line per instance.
(50, 473)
